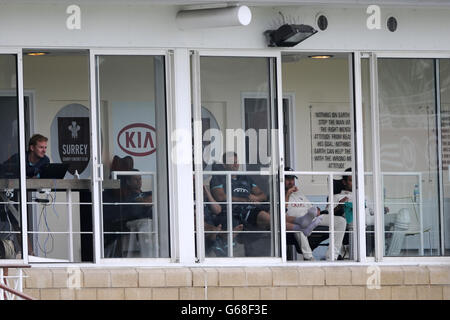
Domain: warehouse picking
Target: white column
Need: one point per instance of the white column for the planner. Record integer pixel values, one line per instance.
(359, 159)
(180, 160)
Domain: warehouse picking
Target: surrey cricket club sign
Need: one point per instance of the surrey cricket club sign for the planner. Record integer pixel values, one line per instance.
(137, 139)
(74, 142)
(71, 138)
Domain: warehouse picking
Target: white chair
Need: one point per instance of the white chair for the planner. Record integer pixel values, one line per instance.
(405, 220)
(140, 239)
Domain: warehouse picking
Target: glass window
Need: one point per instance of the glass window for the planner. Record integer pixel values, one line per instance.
(10, 212)
(58, 156)
(239, 192)
(132, 121)
(318, 138)
(408, 156)
(444, 76)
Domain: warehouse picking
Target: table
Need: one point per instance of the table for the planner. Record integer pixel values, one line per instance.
(56, 185)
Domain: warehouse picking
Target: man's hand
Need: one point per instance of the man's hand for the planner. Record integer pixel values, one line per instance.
(253, 198)
(345, 199)
(292, 190)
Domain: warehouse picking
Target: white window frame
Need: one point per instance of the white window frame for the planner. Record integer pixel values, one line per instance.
(355, 103)
(373, 56)
(277, 151)
(177, 102)
(23, 199)
(97, 168)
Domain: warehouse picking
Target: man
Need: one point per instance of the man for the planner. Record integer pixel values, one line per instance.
(251, 213)
(35, 157)
(134, 216)
(299, 205)
(35, 161)
(399, 221)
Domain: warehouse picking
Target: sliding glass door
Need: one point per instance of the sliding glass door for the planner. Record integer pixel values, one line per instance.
(132, 155)
(404, 101)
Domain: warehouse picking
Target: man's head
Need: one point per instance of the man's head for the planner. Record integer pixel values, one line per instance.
(289, 180)
(134, 182)
(230, 161)
(38, 146)
(347, 180)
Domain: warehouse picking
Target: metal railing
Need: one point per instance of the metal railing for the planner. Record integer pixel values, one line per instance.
(230, 203)
(154, 203)
(11, 287)
(330, 203)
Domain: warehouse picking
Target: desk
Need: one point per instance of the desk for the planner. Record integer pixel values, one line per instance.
(57, 184)
(84, 186)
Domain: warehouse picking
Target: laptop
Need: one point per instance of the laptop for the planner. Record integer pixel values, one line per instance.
(54, 171)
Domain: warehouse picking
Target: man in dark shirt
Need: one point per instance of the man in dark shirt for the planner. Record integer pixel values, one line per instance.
(252, 213)
(35, 161)
(35, 157)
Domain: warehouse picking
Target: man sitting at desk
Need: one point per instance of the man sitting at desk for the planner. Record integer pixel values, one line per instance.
(35, 156)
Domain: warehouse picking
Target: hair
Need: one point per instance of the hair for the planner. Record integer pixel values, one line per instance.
(35, 139)
(228, 154)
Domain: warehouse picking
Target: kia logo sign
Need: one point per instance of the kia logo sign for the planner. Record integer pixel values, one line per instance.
(137, 139)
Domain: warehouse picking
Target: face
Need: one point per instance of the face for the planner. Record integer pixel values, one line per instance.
(348, 183)
(289, 183)
(39, 149)
(134, 182)
(232, 166)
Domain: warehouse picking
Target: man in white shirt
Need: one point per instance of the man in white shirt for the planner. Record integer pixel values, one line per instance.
(298, 205)
(400, 221)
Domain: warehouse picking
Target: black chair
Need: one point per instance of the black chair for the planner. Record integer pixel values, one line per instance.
(315, 240)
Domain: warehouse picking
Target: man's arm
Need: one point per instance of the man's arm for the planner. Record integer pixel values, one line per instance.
(289, 192)
(257, 195)
(219, 194)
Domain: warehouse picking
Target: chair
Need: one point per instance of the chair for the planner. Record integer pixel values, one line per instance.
(405, 221)
(315, 240)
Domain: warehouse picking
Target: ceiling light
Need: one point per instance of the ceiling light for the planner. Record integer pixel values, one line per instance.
(321, 57)
(37, 53)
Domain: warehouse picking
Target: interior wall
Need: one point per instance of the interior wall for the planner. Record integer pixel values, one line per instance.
(224, 81)
(319, 83)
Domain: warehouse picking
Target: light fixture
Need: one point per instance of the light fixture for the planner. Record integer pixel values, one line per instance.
(322, 56)
(37, 53)
(289, 35)
(214, 17)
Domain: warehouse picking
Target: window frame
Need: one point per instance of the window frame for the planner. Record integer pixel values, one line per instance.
(97, 168)
(277, 150)
(17, 51)
(180, 233)
(373, 56)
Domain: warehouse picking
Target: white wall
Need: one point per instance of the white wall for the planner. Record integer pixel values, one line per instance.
(139, 25)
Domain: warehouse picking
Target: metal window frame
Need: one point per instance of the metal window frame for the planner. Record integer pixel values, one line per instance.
(22, 145)
(355, 103)
(97, 165)
(379, 225)
(378, 260)
(277, 151)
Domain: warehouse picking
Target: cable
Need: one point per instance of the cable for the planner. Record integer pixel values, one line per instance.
(44, 216)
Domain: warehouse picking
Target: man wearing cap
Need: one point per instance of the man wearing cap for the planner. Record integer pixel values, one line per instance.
(298, 205)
